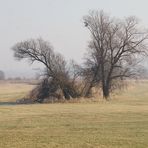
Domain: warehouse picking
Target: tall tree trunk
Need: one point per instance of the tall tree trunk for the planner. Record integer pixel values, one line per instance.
(106, 92)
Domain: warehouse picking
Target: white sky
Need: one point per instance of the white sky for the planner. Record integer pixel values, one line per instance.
(59, 22)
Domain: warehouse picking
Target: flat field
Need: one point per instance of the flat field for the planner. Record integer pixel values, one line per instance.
(119, 123)
(10, 92)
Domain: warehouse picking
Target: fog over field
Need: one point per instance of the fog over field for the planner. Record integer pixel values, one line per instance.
(74, 73)
(59, 22)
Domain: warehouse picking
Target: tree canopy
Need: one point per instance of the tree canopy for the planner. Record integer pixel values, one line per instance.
(114, 49)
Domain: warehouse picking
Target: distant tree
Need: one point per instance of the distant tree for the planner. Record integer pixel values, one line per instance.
(114, 50)
(17, 78)
(2, 75)
(56, 73)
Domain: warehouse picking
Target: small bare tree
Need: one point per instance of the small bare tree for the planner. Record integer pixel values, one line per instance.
(2, 75)
(57, 74)
(114, 49)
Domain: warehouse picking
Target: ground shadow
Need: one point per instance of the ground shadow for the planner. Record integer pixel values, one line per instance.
(7, 103)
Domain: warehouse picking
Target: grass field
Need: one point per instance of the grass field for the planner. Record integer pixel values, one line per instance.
(119, 123)
(10, 92)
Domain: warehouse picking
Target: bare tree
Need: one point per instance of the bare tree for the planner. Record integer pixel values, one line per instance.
(2, 75)
(115, 48)
(57, 74)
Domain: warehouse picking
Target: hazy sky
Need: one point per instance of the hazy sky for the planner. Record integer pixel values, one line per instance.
(59, 22)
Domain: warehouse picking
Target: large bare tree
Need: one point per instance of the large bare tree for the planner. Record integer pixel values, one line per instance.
(57, 73)
(114, 49)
